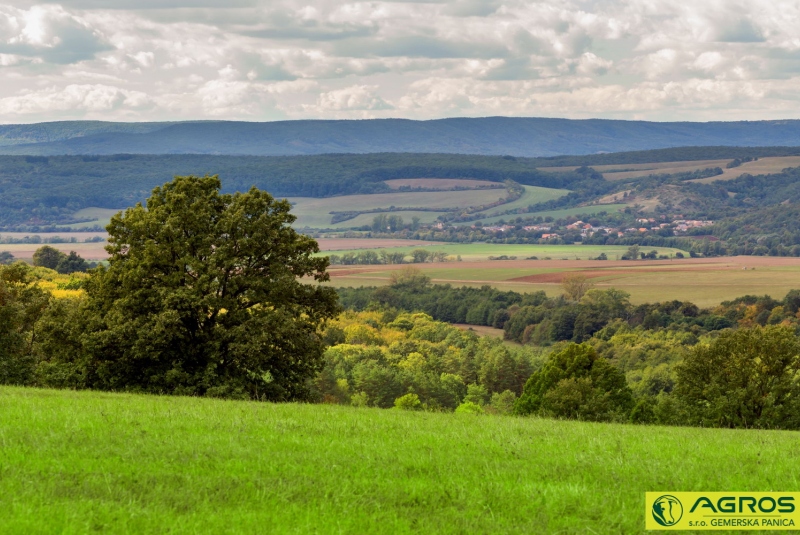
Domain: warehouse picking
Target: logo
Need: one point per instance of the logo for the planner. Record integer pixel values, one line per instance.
(667, 510)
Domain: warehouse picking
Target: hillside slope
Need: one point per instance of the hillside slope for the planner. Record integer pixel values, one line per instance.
(77, 462)
(489, 135)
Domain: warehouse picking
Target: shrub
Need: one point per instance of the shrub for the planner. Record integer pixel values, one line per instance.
(469, 408)
(409, 402)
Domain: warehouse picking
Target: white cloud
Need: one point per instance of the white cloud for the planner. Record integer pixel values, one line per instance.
(75, 100)
(264, 59)
(49, 33)
(357, 97)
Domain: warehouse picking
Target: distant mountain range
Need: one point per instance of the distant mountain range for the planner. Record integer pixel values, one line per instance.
(488, 136)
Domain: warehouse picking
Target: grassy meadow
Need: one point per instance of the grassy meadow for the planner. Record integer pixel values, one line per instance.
(98, 216)
(80, 462)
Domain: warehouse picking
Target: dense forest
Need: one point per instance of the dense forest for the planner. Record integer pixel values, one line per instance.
(599, 357)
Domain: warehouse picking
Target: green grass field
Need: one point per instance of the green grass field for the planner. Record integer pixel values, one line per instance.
(482, 251)
(99, 216)
(315, 212)
(80, 462)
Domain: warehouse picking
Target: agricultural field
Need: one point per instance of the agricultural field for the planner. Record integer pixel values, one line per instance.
(79, 236)
(78, 462)
(703, 281)
(625, 171)
(762, 166)
(634, 170)
(316, 212)
(578, 210)
(89, 251)
(98, 216)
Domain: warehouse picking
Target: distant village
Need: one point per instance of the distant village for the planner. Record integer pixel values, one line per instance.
(586, 230)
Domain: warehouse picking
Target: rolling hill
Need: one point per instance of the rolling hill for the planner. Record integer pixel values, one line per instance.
(489, 135)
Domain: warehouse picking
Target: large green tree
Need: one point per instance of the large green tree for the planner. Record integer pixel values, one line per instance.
(203, 296)
(71, 263)
(46, 256)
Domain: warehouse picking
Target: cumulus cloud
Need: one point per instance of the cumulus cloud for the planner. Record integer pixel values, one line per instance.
(266, 59)
(48, 33)
(357, 97)
(75, 101)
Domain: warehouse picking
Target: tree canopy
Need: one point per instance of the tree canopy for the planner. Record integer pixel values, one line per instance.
(744, 378)
(202, 296)
(577, 383)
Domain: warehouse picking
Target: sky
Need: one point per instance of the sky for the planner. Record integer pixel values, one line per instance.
(264, 60)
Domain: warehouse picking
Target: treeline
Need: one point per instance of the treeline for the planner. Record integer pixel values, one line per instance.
(416, 256)
(36, 238)
(579, 314)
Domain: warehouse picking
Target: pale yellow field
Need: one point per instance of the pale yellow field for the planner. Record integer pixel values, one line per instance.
(80, 236)
(666, 169)
(624, 171)
(633, 167)
(762, 166)
(705, 282)
(89, 251)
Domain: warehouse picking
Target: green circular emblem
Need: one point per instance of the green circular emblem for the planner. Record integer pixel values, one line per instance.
(667, 510)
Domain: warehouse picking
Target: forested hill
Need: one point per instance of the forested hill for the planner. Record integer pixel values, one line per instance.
(490, 135)
(50, 188)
